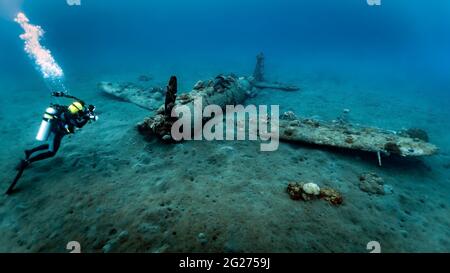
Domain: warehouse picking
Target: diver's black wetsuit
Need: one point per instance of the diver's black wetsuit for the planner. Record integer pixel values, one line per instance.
(64, 124)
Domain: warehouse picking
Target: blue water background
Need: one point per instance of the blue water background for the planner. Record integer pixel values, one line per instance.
(398, 52)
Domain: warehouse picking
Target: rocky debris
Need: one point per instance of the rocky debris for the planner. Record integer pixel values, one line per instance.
(303, 191)
(371, 183)
(158, 125)
(331, 195)
(311, 191)
(415, 133)
(295, 191)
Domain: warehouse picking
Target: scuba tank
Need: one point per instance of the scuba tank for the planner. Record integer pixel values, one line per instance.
(46, 124)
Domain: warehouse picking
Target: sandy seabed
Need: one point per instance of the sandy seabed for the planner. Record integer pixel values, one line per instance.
(112, 190)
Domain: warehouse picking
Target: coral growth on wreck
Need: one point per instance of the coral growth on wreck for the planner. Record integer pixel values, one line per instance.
(416, 133)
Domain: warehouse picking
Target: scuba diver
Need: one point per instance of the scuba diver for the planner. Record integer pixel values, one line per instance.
(57, 122)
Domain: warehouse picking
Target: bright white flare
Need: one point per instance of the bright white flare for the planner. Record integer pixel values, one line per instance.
(42, 56)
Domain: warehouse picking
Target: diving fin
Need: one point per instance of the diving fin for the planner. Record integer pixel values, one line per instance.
(23, 165)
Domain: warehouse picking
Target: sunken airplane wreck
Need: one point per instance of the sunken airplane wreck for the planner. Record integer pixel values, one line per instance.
(231, 89)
